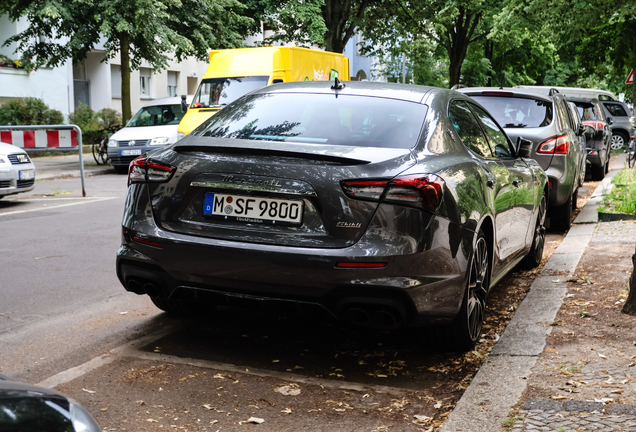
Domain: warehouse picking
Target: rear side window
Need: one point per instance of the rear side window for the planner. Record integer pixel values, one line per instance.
(514, 112)
(588, 111)
(319, 119)
(615, 109)
(468, 129)
(497, 137)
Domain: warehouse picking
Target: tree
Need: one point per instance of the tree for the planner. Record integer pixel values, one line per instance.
(328, 23)
(137, 29)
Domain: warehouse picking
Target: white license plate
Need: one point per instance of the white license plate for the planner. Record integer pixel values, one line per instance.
(253, 209)
(131, 152)
(27, 174)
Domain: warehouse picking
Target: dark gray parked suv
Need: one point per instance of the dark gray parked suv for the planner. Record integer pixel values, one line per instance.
(598, 137)
(542, 116)
(620, 118)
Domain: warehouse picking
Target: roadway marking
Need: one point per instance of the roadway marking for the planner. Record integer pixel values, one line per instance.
(88, 200)
(131, 349)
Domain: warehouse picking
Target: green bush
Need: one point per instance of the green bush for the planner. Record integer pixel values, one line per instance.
(29, 111)
(93, 124)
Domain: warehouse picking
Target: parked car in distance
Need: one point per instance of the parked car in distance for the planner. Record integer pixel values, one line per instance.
(619, 115)
(621, 120)
(153, 126)
(387, 205)
(28, 408)
(542, 116)
(17, 172)
(598, 138)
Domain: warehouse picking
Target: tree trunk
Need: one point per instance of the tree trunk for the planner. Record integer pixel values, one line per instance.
(629, 307)
(335, 13)
(125, 78)
(488, 53)
(633, 68)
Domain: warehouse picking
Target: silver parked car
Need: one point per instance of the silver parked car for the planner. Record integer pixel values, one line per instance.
(17, 172)
(545, 118)
(386, 205)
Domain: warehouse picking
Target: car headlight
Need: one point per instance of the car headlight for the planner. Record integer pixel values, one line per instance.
(82, 420)
(112, 143)
(180, 136)
(159, 141)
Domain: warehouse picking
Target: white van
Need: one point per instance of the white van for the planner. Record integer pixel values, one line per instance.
(153, 126)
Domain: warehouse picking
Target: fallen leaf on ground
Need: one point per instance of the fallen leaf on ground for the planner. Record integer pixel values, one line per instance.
(421, 419)
(88, 391)
(207, 406)
(287, 411)
(253, 420)
(288, 391)
(550, 350)
(152, 421)
(559, 397)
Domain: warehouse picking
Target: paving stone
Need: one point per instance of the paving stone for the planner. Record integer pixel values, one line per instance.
(542, 405)
(574, 405)
(621, 409)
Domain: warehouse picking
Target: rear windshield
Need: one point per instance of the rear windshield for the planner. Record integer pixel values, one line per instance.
(513, 112)
(157, 115)
(319, 119)
(217, 92)
(588, 111)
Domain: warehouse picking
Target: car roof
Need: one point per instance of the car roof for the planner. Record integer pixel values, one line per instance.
(506, 91)
(407, 92)
(173, 100)
(574, 90)
(581, 99)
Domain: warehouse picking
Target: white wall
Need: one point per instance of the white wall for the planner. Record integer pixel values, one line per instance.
(99, 75)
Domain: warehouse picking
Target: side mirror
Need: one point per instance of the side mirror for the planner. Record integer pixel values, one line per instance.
(523, 147)
(184, 104)
(581, 129)
(610, 121)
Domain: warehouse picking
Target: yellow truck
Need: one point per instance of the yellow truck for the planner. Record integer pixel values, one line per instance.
(235, 72)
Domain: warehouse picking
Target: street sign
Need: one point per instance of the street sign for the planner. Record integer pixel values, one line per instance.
(630, 78)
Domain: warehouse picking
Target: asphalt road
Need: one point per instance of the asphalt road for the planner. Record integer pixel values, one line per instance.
(61, 302)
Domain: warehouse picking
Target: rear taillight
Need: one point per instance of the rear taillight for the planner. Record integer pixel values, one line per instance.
(598, 125)
(419, 190)
(143, 170)
(558, 145)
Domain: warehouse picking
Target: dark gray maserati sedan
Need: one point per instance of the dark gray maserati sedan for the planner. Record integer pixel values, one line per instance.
(386, 205)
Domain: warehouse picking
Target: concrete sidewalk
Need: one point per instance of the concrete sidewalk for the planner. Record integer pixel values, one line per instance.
(67, 165)
(499, 386)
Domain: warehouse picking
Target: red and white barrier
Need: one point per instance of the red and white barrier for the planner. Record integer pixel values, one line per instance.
(40, 138)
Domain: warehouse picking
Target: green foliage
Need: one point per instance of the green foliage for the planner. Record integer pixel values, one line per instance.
(625, 176)
(621, 199)
(29, 111)
(94, 124)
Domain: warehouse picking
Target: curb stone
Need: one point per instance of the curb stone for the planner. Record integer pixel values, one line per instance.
(501, 381)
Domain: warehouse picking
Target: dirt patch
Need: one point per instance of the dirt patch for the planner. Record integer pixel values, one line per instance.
(590, 353)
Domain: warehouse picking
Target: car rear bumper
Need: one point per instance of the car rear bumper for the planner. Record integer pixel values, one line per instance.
(560, 188)
(424, 287)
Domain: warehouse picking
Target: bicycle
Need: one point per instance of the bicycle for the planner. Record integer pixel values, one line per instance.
(100, 145)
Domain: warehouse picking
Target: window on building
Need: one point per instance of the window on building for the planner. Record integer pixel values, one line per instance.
(172, 83)
(144, 82)
(115, 81)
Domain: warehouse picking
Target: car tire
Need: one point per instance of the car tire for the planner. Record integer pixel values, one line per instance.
(575, 197)
(121, 169)
(180, 308)
(465, 330)
(533, 259)
(607, 163)
(619, 139)
(598, 172)
(560, 216)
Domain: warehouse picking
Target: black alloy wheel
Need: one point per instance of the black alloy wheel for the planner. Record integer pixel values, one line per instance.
(465, 330)
(533, 259)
